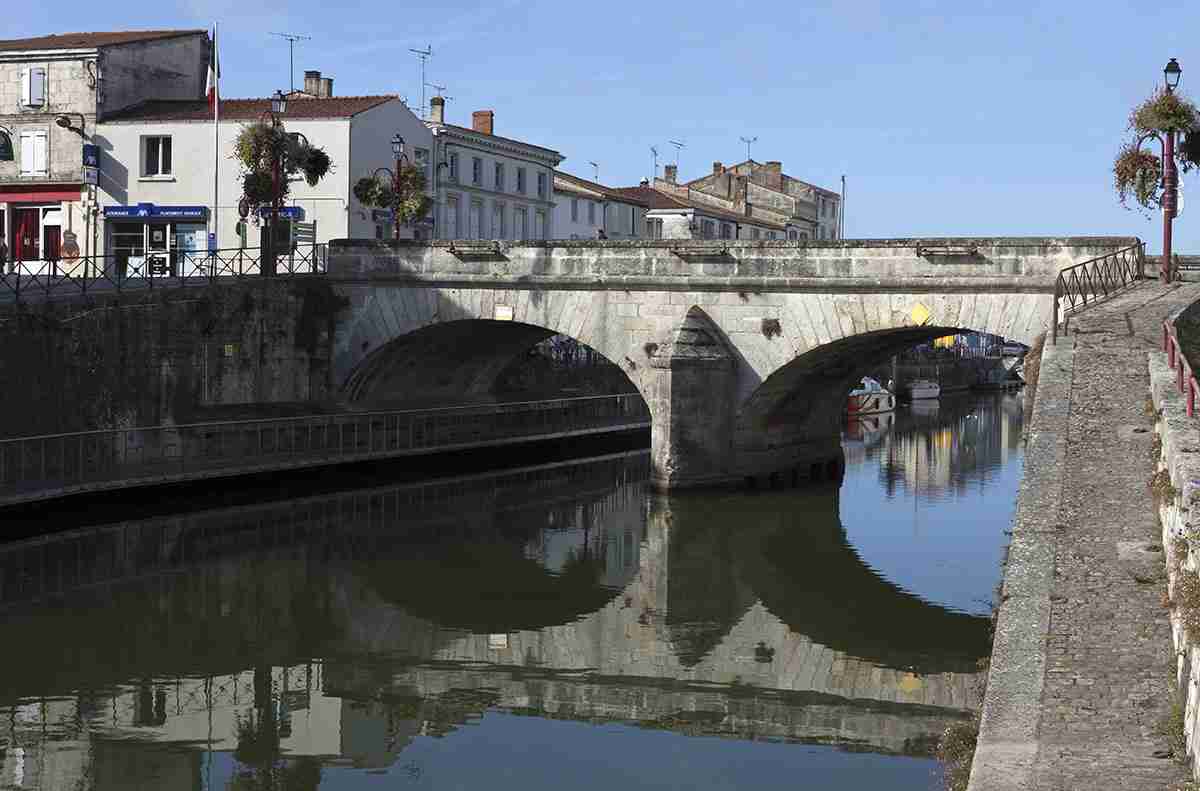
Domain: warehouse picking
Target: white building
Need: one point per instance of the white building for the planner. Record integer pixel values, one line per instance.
(587, 210)
(159, 166)
(53, 89)
(487, 186)
(670, 217)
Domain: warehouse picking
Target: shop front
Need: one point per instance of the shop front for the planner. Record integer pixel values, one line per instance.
(150, 240)
(33, 222)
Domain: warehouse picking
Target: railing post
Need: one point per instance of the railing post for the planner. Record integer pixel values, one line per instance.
(1191, 395)
(1054, 315)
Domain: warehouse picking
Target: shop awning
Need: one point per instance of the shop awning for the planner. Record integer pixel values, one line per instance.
(32, 193)
(149, 211)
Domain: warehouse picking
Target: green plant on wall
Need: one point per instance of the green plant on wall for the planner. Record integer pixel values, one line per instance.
(1137, 172)
(258, 146)
(405, 195)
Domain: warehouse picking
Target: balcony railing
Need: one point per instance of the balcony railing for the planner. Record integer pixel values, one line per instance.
(41, 280)
(41, 467)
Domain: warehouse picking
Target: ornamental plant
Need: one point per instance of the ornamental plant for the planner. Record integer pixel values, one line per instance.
(1137, 171)
(257, 147)
(405, 196)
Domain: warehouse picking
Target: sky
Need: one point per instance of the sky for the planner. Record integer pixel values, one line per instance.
(947, 118)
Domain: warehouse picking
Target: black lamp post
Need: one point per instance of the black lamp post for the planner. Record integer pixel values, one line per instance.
(1171, 75)
(278, 108)
(400, 157)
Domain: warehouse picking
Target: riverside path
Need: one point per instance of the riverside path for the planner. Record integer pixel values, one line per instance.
(1079, 683)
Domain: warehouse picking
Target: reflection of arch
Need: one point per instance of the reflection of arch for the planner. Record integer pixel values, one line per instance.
(792, 552)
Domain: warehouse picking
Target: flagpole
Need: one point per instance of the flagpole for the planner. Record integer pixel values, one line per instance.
(216, 141)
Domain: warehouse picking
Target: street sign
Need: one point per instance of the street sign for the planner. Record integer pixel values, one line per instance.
(91, 175)
(91, 155)
(295, 213)
(212, 242)
(381, 215)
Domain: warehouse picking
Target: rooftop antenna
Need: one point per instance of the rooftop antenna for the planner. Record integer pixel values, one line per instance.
(424, 55)
(595, 170)
(678, 145)
(654, 155)
(748, 141)
(441, 89)
(292, 38)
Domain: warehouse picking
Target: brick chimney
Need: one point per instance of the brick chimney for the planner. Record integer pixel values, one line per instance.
(774, 174)
(312, 83)
(718, 168)
(326, 88)
(482, 121)
(669, 173)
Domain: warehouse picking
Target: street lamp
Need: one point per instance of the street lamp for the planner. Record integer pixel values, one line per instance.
(401, 157)
(1171, 75)
(278, 108)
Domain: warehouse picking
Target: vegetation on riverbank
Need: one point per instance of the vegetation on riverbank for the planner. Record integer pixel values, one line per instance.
(956, 751)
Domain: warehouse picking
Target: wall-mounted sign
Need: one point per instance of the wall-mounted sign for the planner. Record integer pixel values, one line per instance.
(381, 215)
(148, 211)
(91, 176)
(295, 213)
(91, 155)
(6, 147)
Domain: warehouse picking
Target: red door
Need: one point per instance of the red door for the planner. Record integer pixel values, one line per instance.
(52, 242)
(26, 244)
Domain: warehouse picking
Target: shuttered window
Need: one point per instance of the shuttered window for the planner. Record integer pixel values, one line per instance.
(33, 86)
(33, 153)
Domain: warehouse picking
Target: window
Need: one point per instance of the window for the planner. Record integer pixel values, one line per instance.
(521, 181)
(421, 160)
(451, 230)
(591, 211)
(726, 231)
(541, 185)
(574, 209)
(476, 220)
(454, 168)
(498, 221)
(33, 86)
(770, 234)
(520, 223)
(477, 171)
(708, 229)
(539, 225)
(499, 177)
(33, 153)
(156, 156)
(792, 235)
(654, 227)
(753, 233)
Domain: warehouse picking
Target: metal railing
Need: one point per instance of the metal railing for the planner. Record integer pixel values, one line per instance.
(1185, 377)
(23, 281)
(40, 467)
(1091, 281)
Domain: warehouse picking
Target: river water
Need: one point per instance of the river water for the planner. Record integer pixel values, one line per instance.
(548, 627)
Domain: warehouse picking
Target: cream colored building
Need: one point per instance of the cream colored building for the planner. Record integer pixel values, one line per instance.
(156, 188)
(587, 210)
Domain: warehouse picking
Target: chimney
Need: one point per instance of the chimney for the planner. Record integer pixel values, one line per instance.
(437, 110)
(482, 121)
(312, 83)
(718, 168)
(326, 91)
(669, 172)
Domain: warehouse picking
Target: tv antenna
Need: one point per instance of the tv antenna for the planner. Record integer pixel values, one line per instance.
(596, 170)
(654, 156)
(424, 55)
(748, 141)
(292, 38)
(678, 145)
(441, 89)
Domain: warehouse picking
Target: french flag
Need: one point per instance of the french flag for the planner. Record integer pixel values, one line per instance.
(214, 74)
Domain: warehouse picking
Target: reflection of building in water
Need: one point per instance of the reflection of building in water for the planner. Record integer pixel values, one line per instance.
(681, 626)
(965, 442)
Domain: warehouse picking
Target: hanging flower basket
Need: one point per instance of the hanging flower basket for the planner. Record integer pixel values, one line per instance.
(1137, 173)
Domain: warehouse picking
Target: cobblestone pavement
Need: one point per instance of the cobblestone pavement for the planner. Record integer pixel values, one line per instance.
(1087, 571)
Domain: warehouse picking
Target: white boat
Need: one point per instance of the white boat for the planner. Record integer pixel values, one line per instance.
(869, 398)
(921, 389)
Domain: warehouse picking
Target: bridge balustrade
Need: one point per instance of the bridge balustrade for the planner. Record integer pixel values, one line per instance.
(40, 467)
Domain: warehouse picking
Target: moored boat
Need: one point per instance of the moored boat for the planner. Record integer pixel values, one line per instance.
(921, 389)
(869, 398)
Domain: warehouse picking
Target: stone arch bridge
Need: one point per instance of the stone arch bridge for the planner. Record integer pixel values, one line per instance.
(742, 350)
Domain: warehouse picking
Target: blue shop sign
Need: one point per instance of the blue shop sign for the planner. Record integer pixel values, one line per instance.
(91, 155)
(148, 211)
(293, 213)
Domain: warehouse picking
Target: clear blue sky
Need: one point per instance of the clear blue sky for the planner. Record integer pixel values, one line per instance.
(1000, 119)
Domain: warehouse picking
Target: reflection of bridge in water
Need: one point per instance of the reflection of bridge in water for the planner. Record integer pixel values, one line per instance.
(746, 617)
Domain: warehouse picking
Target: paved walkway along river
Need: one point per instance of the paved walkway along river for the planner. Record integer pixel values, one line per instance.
(1079, 685)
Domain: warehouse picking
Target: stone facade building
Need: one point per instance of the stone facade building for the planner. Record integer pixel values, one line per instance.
(677, 214)
(53, 91)
(587, 210)
(487, 186)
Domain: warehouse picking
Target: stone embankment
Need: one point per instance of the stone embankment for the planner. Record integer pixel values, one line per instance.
(1079, 687)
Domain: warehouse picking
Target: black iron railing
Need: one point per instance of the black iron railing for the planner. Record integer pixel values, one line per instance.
(28, 281)
(1091, 281)
(41, 467)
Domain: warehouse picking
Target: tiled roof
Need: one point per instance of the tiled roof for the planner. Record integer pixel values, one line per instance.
(583, 185)
(90, 40)
(470, 131)
(659, 200)
(248, 109)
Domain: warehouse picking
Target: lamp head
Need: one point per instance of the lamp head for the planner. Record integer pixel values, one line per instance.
(279, 103)
(398, 145)
(1171, 74)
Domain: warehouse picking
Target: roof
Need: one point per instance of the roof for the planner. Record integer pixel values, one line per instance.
(248, 109)
(595, 187)
(91, 40)
(753, 164)
(470, 131)
(660, 200)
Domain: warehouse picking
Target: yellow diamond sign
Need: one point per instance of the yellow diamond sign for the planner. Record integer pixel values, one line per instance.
(920, 314)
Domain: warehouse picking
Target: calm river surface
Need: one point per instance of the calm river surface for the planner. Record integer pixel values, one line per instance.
(544, 628)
